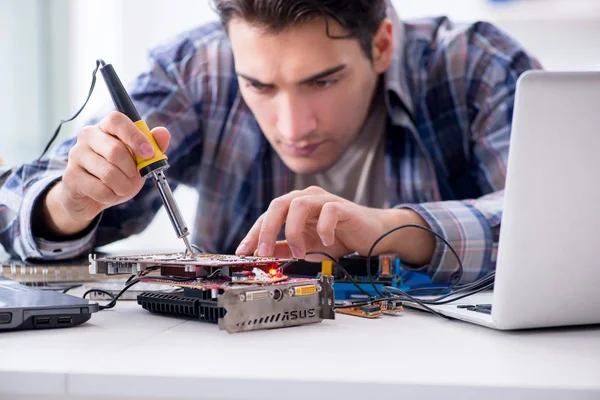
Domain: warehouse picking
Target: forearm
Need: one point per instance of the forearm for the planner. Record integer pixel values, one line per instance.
(51, 219)
(471, 227)
(414, 246)
(17, 219)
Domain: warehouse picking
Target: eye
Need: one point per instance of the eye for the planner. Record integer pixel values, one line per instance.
(258, 87)
(323, 84)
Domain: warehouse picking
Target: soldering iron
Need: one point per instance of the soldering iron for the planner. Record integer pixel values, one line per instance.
(155, 166)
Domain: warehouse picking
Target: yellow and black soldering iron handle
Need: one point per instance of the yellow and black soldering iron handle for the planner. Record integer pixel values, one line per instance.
(155, 166)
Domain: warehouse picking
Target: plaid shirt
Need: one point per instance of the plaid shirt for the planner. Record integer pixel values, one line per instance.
(449, 95)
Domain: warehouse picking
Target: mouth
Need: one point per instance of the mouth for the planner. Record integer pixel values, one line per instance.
(302, 151)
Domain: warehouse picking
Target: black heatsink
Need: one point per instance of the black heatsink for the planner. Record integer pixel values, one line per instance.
(180, 305)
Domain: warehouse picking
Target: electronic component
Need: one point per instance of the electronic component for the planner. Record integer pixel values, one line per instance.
(190, 303)
(239, 308)
(386, 271)
(203, 263)
(255, 295)
(114, 286)
(304, 290)
(241, 276)
(389, 266)
(260, 275)
(370, 311)
(391, 306)
(239, 293)
(355, 265)
(54, 276)
(327, 268)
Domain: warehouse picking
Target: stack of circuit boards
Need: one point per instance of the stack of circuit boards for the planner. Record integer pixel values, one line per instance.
(237, 293)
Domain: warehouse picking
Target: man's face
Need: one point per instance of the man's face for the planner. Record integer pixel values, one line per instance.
(309, 93)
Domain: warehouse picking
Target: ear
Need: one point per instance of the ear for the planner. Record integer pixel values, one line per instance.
(383, 46)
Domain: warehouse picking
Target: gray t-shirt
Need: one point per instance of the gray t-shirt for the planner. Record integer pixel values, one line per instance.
(358, 175)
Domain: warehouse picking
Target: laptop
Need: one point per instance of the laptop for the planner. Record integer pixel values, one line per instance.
(548, 264)
(24, 307)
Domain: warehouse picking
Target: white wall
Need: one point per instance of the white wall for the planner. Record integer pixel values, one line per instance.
(563, 34)
(23, 81)
(121, 33)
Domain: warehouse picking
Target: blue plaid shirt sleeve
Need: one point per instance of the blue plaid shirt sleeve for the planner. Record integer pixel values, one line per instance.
(20, 191)
(472, 226)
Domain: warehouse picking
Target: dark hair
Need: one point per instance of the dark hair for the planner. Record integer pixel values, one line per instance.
(361, 18)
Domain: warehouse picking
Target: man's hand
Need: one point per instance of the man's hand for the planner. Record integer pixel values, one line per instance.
(101, 172)
(316, 220)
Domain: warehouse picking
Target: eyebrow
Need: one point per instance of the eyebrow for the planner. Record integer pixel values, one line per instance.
(319, 75)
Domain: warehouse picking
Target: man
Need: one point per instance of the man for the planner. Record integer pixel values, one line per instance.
(332, 120)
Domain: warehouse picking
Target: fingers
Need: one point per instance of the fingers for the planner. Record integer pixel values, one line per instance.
(109, 174)
(295, 210)
(282, 250)
(331, 215)
(300, 211)
(162, 137)
(101, 170)
(263, 234)
(120, 126)
(114, 151)
(90, 186)
(250, 243)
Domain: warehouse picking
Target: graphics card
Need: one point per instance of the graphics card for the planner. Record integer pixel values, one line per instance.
(237, 293)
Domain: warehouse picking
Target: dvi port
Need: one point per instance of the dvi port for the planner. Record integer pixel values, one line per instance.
(257, 295)
(304, 290)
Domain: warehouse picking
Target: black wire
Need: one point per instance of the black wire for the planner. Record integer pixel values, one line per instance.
(380, 238)
(471, 285)
(487, 282)
(454, 289)
(359, 303)
(468, 288)
(167, 278)
(373, 299)
(198, 248)
(143, 273)
(70, 288)
(218, 272)
(104, 292)
(116, 297)
(287, 264)
(62, 121)
(418, 301)
(363, 303)
(113, 302)
(439, 303)
(337, 264)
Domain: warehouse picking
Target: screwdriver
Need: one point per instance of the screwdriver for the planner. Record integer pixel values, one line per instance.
(154, 167)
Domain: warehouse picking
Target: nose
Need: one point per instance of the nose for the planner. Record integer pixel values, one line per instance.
(295, 118)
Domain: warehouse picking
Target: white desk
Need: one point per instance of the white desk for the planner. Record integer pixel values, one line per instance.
(128, 353)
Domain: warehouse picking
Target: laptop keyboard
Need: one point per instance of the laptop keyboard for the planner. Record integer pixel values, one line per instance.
(482, 308)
